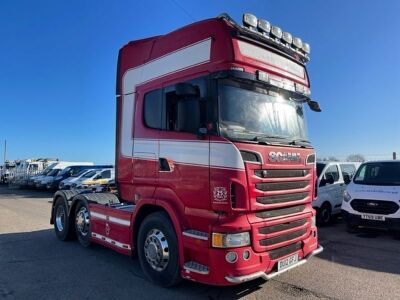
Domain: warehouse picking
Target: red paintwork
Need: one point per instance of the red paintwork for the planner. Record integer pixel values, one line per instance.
(187, 193)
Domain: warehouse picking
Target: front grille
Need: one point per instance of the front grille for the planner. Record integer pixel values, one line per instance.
(281, 227)
(380, 207)
(282, 238)
(281, 173)
(278, 186)
(276, 253)
(280, 212)
(281, 198)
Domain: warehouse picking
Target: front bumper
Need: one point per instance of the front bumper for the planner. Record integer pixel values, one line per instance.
(356, 220)
(241, 279)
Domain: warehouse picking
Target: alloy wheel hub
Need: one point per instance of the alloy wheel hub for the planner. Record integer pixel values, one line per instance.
(156, 250)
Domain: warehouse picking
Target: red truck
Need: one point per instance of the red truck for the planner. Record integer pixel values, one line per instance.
(215, 174)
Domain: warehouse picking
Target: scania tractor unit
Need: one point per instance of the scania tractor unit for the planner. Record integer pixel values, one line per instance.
(214, 171)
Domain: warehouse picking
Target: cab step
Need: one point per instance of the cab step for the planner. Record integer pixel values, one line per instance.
(195, 267)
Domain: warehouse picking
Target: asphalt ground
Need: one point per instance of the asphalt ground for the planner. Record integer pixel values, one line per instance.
(35, 265)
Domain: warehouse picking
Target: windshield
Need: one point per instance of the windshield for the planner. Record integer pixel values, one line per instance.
(54, 172)
(320, 167)
(378, 173)
(250, 112)
(90, 174)
(48, 169)
(80, 173)
(65, 171)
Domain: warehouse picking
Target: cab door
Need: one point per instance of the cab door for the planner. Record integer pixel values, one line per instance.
(184, 156)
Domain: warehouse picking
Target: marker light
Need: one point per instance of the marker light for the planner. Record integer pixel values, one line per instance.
(249, 20)
(264, 26)
(306, 48)
(276, 31)
(287, 37)
(230, 240)
(262, 76)
(297, 42)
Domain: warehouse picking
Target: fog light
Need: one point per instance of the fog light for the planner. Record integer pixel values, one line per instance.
(231, 257)
(246, 255)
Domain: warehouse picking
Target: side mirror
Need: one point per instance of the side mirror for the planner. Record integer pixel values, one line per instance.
(183, 89)
(346, 178)
(314, 105)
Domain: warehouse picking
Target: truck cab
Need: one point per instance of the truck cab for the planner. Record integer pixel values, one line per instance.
(214, 170)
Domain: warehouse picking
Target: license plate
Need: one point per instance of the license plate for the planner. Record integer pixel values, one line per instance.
(288, 261)
(372, 217)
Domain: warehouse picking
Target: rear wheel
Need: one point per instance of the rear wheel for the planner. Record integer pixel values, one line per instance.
(82, 224)
(324, 215)
(158, 250)
(61, 221)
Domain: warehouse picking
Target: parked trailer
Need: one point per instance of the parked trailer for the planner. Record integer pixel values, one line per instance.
(214, 172)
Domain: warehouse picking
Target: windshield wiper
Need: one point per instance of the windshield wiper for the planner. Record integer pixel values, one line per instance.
(299, 142)
(259, 137)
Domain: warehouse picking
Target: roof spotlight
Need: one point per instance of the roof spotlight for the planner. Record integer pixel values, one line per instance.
(287, 37)
(306, 48)
(297, 42)
(276, 32)
(264, 26)
(249, 20)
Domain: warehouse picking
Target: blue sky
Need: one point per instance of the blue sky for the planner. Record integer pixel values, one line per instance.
(58, 62)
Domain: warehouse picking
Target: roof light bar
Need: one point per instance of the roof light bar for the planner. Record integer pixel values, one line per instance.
(265, 28)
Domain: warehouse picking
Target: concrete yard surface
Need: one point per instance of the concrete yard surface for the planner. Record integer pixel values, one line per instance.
(34, 264)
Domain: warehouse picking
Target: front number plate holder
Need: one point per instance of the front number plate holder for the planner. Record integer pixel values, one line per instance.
(288, 262)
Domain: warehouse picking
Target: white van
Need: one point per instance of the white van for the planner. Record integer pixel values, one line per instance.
(332, 179)
(48, 179)
(372, 199)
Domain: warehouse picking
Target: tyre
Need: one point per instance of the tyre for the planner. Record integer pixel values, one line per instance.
(324, 214)
(157, 248)
(61, 221)
(82, 224)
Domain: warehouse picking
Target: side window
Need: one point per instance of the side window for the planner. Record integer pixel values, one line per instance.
(348, 169)
(183, 106)
(106, 174)
(334, 171)
(153, 109)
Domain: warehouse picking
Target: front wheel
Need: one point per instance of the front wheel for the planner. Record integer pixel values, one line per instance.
(324, 215)
(158, 250)
(82, 224)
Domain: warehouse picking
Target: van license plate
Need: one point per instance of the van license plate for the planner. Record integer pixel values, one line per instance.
(288, 261)
(372, 217)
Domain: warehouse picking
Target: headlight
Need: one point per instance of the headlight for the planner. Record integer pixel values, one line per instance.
(230, 240)
(346, 196)
(58, 178)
